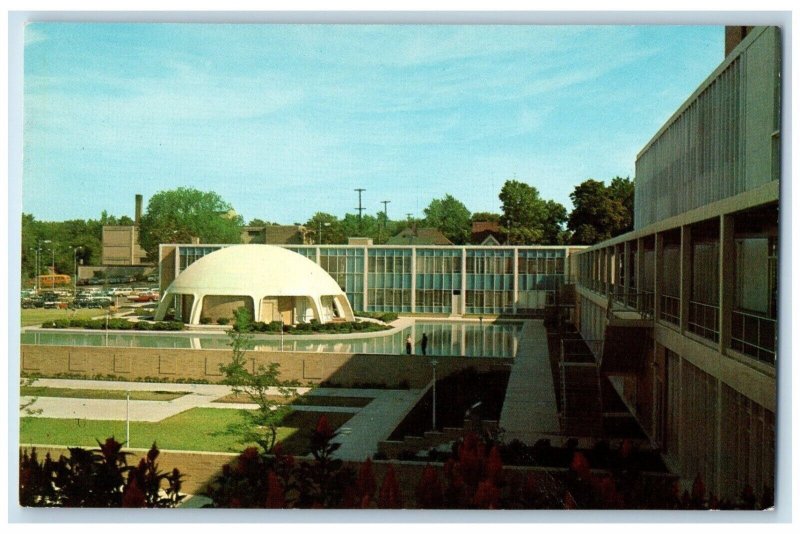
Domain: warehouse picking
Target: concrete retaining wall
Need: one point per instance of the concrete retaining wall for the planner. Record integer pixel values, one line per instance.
(339, 369)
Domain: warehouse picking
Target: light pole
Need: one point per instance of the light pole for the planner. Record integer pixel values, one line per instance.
(128, 419)
(35, 250)
(75, 259)
(433, 365)
(37, 263)
(319, 234)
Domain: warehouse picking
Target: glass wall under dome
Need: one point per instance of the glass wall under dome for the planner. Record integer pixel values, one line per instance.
(346, 266)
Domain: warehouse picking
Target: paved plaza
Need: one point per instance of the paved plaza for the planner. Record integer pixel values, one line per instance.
(359, 437)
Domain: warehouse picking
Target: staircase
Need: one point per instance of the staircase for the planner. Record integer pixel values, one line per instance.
(581, 396)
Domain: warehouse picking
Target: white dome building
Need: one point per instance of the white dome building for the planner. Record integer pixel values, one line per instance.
(275, 284)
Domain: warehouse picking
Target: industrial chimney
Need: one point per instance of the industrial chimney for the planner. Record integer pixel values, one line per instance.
(138, 213)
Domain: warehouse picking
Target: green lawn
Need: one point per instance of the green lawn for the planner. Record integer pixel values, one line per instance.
(108, 394)
(36, 316)
(198, 429)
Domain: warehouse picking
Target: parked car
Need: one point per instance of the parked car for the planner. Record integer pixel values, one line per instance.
(121, 291)
(152, 278)
(32, 302)
(143, 297)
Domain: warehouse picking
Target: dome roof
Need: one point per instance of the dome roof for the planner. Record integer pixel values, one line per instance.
(254, 270)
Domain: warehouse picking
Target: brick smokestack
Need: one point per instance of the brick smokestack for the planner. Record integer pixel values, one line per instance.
(137, 217)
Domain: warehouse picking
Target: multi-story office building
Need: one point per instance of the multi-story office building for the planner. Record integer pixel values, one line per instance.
(697, 278)
(424, 279)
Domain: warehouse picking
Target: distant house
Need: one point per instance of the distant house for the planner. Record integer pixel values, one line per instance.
(419, 236)
(276, 234)
(486, 233)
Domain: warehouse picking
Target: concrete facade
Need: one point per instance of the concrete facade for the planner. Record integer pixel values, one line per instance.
(700, 270)
(121, 246)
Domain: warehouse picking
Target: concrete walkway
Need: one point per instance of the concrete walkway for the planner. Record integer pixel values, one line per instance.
(359, 437)
(530, 412)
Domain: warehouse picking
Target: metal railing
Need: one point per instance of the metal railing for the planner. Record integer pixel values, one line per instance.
(670, 309)
(753, 335)
(641, 303)
(704, 320)
(579, 350)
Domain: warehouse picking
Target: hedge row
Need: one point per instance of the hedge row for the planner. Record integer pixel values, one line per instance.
(113, 324)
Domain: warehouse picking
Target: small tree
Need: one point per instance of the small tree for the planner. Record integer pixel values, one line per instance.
(261, 385)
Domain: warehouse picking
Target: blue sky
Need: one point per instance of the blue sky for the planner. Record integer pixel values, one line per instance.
(286, 120)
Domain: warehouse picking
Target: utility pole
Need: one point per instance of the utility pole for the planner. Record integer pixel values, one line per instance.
(385, 213)
(359, 208)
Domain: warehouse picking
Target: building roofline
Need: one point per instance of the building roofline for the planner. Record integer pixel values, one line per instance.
(705, 84)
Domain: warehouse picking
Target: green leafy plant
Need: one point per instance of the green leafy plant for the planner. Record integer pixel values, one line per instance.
(260, 425)
(98, 478)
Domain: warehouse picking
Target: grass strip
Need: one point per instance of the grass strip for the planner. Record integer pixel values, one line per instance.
(198, 429)
(36, 316)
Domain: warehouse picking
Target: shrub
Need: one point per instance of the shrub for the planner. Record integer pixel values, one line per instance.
(144, 325)
(257, 480)
(98, 478)
(78, 323)
(205, 320)
(223, 321)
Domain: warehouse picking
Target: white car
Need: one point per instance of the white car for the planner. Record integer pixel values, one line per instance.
(121, 291)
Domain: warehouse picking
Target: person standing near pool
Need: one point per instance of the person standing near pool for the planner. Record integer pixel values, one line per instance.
(424, 344)
(409, 344)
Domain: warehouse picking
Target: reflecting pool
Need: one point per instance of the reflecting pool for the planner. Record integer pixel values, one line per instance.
(445, 338)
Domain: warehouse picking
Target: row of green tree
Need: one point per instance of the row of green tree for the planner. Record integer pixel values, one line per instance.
(599, 212)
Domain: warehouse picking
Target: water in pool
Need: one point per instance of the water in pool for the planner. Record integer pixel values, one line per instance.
(444, 339)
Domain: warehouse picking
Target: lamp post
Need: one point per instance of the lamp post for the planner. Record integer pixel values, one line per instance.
(37, 263)
(319, 234)
(128, 419)
(35, 250)
(75, 259)
(433, 365)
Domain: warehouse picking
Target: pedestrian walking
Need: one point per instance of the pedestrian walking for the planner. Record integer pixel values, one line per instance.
(409, 344)
(424, 344)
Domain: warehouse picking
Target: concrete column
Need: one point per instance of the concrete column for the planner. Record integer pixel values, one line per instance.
(626, 264)
(609, 270)
(318, 254)
(658, 280)
(686, 275)
(727, 259)
(463, 280)
(197, 308)
(366, 278)
(516, 279)
(639, 266)
(414, 279)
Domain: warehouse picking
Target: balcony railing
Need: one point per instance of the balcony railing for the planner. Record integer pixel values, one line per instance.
(753, 335)
(704, 320)
(670, 309)
(641, 303)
